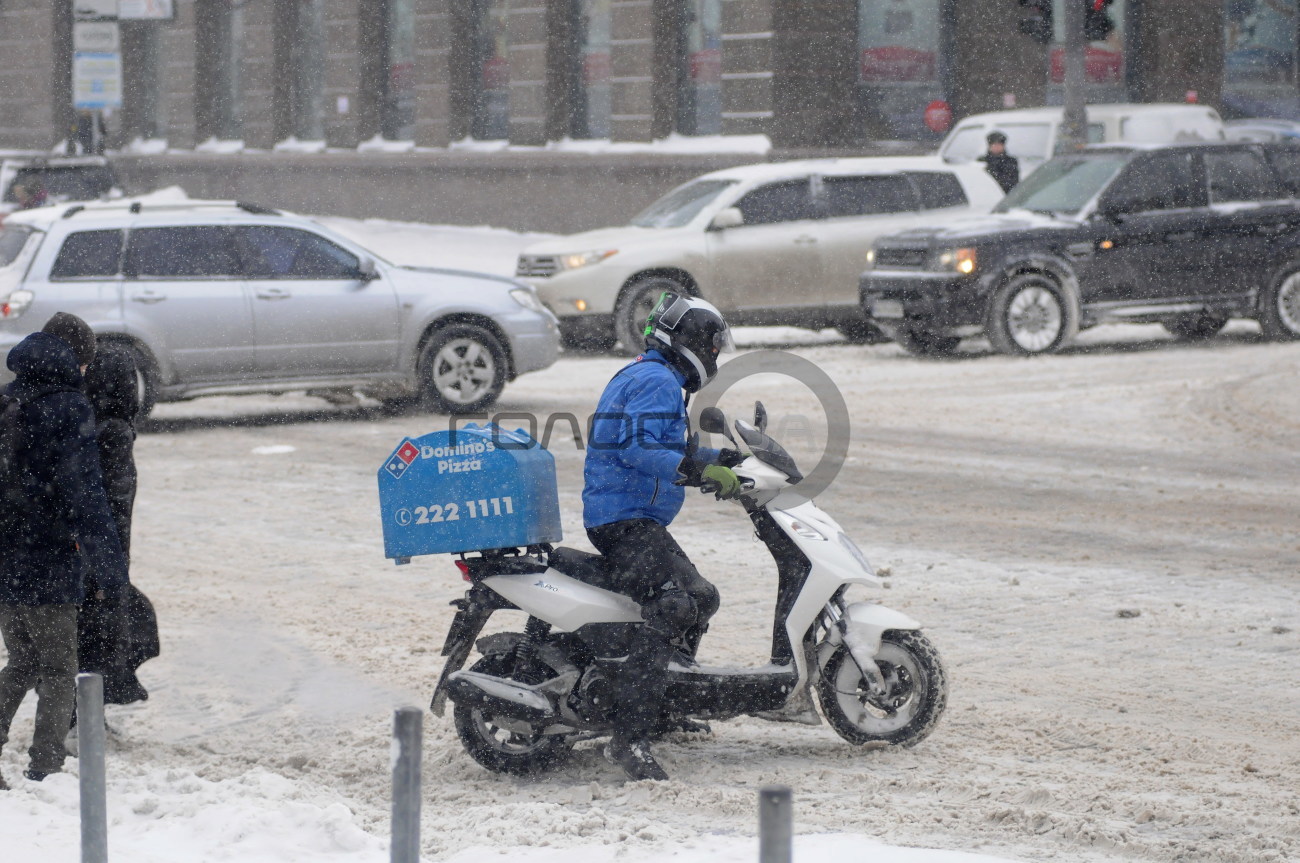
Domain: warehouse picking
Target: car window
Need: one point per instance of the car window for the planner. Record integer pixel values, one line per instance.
(190, 251)
(682, 204)
(12, 240)
(1160, 181)
(1026, 140)
(272, 252)
(82, 183)
(939, 190)
(778, 202)
(88, 253)
(1239, 175)
(965, 144)
(1063, 185)
(1096, 135)
(867, 196)
(1287, 162)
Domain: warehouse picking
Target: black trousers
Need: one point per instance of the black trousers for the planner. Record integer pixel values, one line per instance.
(651, 568)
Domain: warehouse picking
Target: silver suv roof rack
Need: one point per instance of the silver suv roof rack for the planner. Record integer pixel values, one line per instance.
(139, 206)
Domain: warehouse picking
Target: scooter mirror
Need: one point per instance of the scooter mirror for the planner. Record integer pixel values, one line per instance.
(714, 421)
(760, 417)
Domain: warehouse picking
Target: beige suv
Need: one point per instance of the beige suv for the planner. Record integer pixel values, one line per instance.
(769, 244)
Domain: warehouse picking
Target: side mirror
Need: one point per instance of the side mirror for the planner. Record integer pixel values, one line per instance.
(728, 217)
(714, 421)
(760, 417)
(366, 269)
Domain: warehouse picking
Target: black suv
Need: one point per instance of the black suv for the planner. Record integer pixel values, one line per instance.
(1185, 235)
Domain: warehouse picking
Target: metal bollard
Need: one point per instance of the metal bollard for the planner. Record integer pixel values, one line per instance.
(408, 726)
(775, 824)
(90, 765)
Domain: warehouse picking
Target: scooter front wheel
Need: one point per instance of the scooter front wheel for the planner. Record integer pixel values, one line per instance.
(905, 712)
(502, 744)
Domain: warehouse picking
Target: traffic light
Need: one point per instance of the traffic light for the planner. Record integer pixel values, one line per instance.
(1037, 20)
(1096, 23)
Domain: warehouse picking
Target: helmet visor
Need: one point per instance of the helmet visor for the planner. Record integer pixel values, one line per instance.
(723, 343)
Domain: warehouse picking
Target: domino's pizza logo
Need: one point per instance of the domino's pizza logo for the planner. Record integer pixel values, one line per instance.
(401, 460)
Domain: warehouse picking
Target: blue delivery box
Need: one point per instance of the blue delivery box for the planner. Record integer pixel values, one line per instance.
(474, 488)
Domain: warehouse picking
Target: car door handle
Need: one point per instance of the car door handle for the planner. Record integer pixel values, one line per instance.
(273, 294)
(1180, 236)
(804, 240)
(148, 297)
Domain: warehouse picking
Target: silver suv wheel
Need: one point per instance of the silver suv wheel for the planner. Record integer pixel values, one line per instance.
(462, 369)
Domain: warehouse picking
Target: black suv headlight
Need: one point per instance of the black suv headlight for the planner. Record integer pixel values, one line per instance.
(963, 260)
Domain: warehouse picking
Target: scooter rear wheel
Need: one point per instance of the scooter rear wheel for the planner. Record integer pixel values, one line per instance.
(905, 714)
(505, 745)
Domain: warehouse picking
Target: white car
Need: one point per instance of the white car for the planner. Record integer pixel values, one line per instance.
(781, 243)
(220, 297)
(1263, 130)
(1034, 134)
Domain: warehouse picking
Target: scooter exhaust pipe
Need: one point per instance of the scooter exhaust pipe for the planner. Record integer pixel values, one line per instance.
(500, 697)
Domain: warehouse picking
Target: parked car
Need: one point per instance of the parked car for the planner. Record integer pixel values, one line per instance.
(64, 178)
(1187, 236)
(768, 244)
(1262, 130)
(218, 297)
(1034, 134)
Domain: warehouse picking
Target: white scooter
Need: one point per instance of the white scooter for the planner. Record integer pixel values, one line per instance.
(533, 694)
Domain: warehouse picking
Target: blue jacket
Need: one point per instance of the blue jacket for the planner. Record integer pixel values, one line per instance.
(638, 438)
(66, 534)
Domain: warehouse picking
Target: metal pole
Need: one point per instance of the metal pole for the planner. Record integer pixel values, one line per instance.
(408, 724)
(775, 824)
(90, 763)
(1074, 128)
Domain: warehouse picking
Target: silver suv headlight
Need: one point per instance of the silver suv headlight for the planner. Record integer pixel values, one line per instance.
(527, 298)
(584, 259)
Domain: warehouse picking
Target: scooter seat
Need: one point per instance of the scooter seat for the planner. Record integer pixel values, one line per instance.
(588, 568)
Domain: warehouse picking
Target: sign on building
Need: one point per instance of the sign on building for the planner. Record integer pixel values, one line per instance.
(94, 9)
(96, 80)
(153, 10)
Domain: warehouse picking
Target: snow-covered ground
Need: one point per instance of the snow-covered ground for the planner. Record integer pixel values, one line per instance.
(1103, 545)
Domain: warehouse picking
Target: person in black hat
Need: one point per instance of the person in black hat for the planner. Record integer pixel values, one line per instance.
(59, 531)
(1001, 165)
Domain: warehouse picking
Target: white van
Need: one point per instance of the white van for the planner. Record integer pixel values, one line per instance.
(1033, 133)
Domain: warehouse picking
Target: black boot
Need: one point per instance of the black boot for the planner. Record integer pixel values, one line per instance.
(635, 758)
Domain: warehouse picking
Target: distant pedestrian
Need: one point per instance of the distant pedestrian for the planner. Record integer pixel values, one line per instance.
(1001, 165)
(59, 538)
(106, 633)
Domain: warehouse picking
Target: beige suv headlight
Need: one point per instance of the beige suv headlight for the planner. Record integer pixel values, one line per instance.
(584, 259)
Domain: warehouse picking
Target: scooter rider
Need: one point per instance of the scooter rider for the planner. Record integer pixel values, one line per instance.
(637, 462)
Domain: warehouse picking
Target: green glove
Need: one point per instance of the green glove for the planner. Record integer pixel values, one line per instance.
(722, 481)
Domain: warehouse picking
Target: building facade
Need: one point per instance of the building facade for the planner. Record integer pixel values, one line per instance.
(821, 74)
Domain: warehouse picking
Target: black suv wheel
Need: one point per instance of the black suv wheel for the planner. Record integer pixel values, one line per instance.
(1031, 314)
(1279, 306)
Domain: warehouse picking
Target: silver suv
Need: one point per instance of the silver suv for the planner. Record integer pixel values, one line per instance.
(219, 297)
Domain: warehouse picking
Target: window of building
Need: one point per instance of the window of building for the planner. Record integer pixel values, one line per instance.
(1259, 57)
(1103, 58)
(218, 40)
(591, 87)
(142, 90)
(200, 251)
(699, 98)
(300, 69)
(88, 253)
(490, 69)
(899, 64)
(397, 112)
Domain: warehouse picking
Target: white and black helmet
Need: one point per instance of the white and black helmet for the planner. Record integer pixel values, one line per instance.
(690, 333)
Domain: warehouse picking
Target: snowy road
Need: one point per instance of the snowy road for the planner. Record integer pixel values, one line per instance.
(1104, 546)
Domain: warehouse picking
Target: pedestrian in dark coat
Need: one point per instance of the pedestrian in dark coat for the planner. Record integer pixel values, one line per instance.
(1001, 165)
(105, 631)
(62, 537)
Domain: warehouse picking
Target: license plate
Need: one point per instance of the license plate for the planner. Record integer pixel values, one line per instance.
(886, 308)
